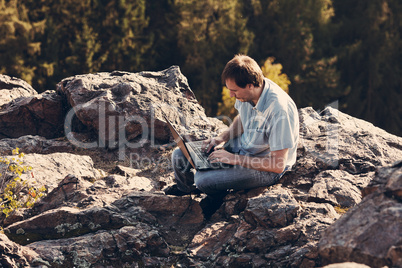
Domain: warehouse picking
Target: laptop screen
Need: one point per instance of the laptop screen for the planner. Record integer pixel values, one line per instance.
(180, 142)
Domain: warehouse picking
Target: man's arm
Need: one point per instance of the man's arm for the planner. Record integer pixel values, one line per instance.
(274, 162)
(234, 130)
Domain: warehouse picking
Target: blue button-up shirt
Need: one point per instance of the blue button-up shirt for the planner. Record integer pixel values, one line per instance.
(271, 125)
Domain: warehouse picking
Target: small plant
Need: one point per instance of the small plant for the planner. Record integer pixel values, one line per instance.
(16, 192)
(341, 210)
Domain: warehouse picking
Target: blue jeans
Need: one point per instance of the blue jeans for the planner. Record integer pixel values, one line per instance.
(219, 180)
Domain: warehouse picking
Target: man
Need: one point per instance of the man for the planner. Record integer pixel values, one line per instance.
(262, 139)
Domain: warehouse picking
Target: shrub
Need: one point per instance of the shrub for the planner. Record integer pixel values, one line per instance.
(15, 189)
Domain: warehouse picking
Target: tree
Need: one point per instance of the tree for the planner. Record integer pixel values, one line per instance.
(273, 71)
(121, 30)
(370, 60)
(162, 29)
(83, 36)
(298, 34)
(18, 51)
(211, 32)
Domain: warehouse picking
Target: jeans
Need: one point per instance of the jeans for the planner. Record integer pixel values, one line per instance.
(219, 180)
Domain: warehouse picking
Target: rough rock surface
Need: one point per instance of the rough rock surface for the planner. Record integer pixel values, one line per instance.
(41, 115)
(50, 169)
(12, 88)
(133, 105)
(371, 232)
(106, 214)
(35, 144)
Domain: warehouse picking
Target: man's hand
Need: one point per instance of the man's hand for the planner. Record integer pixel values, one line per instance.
(213, 143)
(222, 156)
(233, 131)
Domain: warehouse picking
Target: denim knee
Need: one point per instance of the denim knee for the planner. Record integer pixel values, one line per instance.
(178, 159)
(205, 182)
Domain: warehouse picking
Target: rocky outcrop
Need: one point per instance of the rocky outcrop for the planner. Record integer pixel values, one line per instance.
(12, 88)
(105, 211)
(41, 114)
(371, 232)
(133, 103)
(50, 169)
(35, 144)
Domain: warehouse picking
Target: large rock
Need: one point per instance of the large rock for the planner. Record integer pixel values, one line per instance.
(178, 218)
(51, 169)
(12, 88)
(371, 232)
(41, 115)
(275, 208)
(122, 106)
(336, 187)
(129, 246)
(14, 255)
(35, 144)
(338, 140)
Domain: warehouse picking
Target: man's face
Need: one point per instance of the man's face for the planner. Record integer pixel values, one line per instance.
(241, 94)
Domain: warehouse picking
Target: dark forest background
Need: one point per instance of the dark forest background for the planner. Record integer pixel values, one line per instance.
(348, 51)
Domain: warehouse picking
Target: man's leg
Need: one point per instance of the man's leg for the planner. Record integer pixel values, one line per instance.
(213, 182)
(183, 173)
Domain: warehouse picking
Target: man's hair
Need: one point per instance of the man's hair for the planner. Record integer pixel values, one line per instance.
(243, 70)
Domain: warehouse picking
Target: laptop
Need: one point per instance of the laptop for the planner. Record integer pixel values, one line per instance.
(192, 150)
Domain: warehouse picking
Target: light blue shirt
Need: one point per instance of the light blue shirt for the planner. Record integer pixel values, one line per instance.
(271, 125)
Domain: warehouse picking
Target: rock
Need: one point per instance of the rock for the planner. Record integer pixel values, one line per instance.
(35, 144)
(69, 192)
(346, 143)
(51, 169)
(14, 255)
(346, 265)
(274, 208)
(123, 247)
(336, 187)
(282, 225)
(12, 88)
(41, 115)
(208, 243)
(336, 143)
(376, 239)
(178, 218)
(122, 106)
(64, 222)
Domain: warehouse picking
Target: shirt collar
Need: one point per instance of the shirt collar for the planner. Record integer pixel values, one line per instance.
(261, 104)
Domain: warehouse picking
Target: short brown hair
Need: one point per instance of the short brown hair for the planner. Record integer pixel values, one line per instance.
(243, 70)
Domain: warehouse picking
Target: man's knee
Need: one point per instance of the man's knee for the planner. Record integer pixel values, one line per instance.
(177, 153)
(178, 158)
(205, 182)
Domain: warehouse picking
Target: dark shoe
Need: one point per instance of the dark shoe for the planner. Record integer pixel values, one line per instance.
(173, 190)
(210, 204)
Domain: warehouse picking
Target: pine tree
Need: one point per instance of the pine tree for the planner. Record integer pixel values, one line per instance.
(370, 60)
(211, 32)
(17, 48)
(298, 34)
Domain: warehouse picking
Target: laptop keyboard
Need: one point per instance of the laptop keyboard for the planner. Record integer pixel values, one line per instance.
(196, 146)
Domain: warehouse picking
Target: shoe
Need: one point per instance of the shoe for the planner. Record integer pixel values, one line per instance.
(173, 190)
(211, 204)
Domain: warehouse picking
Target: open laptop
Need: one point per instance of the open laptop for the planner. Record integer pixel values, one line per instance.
(192, 150)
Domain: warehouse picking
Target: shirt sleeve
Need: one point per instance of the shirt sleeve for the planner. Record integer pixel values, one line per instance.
(282, 133)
